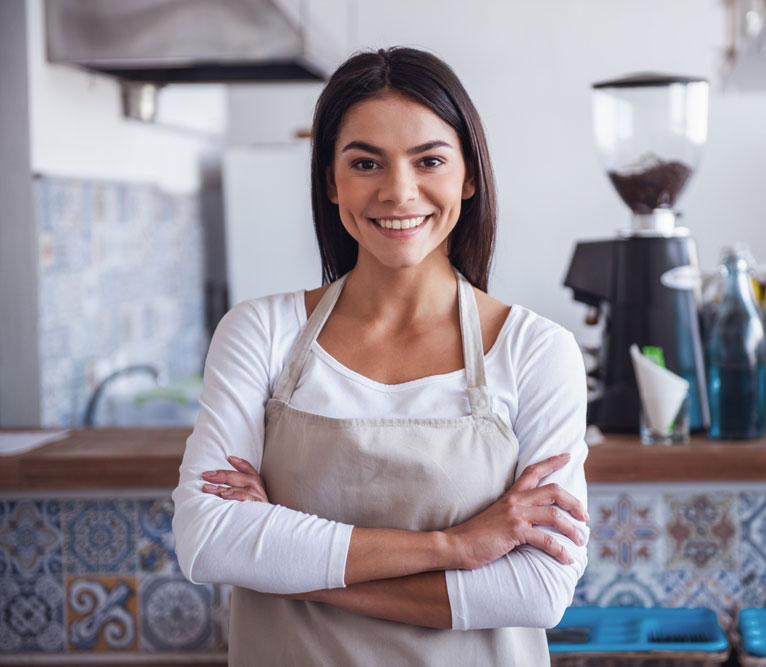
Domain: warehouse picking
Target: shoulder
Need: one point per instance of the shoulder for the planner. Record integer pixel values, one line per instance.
(528, 329)
(537, 346)
(262, 319)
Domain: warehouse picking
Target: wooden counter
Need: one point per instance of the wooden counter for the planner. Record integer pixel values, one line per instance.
(622, 458)
(99, 458)
(125, 458)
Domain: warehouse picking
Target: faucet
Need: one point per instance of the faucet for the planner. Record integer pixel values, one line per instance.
(93, 400)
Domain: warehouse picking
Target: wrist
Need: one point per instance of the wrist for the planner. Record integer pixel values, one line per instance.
(447, 549)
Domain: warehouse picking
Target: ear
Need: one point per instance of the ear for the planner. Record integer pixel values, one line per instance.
(332, 191)
(469, 184)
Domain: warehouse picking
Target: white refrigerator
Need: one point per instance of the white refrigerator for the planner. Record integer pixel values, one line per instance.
(270, 243)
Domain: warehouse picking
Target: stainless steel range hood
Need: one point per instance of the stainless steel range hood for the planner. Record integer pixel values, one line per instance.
(186, 41)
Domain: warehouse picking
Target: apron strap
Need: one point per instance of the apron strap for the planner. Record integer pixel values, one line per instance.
(470, 329)
(473, 348)
(290, 375)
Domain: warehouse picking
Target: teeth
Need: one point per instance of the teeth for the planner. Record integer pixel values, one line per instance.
(407, 223)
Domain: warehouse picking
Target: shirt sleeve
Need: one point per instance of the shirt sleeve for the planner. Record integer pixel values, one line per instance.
(527, 587)
(265, 547)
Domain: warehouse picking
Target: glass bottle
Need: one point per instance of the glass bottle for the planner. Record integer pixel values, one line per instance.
(736, 356)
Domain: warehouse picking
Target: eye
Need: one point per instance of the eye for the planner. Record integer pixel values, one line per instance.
(365, 164)
(431, 162)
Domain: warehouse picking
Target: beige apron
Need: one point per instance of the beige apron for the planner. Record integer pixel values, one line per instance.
(412, 474)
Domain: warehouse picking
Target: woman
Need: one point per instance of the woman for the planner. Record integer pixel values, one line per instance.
(367, 466)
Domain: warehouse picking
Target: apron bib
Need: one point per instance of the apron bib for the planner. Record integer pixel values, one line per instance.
(411, 474)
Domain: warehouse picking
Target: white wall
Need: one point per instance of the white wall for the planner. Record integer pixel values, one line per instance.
(528, 67)
(77, 126)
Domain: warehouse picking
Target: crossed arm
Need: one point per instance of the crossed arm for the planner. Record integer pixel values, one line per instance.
(400, 575)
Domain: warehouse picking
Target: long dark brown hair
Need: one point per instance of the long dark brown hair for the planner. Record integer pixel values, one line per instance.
(426, 79)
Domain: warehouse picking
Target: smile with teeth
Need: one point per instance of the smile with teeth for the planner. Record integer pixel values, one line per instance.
(406, 223)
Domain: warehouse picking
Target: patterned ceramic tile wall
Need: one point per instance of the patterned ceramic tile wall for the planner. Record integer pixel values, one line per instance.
(687, 547)
(121, 277)
(99, 575)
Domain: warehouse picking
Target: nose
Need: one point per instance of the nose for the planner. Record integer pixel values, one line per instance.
(399, 185)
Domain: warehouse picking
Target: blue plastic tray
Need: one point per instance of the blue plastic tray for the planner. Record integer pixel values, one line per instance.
(637, 629)
(752, 629)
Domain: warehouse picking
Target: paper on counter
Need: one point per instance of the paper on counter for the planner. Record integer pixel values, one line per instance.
(19, 442)
(662, 392)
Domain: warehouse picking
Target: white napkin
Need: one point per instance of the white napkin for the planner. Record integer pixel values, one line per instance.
(19, 442)
(662, 392)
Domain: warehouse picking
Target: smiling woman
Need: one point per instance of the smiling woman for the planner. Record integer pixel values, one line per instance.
(394, 456)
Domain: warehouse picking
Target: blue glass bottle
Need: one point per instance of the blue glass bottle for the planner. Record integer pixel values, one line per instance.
(736, 357)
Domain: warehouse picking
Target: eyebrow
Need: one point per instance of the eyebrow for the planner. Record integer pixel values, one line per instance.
(369, 148)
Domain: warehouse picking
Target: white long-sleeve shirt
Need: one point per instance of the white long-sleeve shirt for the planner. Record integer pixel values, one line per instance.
(536, 380)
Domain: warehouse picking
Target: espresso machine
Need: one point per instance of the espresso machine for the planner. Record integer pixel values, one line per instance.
(643, 285)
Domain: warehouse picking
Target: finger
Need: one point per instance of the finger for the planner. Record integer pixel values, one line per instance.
(229, 493)
(239, 493)
(555, 518)
(242, 465)
(549, 545)
(236, 493)
(215, 490)
(532, 475)
(553, 494)
(232, 478)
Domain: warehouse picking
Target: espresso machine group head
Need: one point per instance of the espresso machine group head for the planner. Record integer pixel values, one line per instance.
(644, 283)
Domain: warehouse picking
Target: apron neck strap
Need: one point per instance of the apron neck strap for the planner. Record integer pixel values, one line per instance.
(297, 358)
(470, 329)
(473, 348)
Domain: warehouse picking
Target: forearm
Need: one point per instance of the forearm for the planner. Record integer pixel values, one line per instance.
(376, 554)
(419, 599)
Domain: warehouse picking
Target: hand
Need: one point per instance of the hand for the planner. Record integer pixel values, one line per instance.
(243, 483)
(511, 520)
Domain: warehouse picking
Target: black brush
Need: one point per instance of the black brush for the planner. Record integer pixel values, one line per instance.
(568, 635)
(680, 638)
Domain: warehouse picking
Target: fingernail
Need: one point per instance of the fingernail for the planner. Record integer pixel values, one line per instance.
(565, 455)
(208, 487)
(226, 493)
(208, 473)
(235, 458)
(587, 516)
(570, 560)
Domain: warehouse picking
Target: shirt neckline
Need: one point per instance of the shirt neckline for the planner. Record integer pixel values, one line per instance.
(325, 356)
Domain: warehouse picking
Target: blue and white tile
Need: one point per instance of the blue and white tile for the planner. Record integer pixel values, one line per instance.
(30, 537)
(100, 536)
(752, 507)
(104, 231)
(625, 532)
(176, 615)
(156, 543)
(102, 614)
(703, 531)
(718, 590)
(31, 614)
(633, 588)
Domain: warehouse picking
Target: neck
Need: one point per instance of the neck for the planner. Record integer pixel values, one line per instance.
(401, 296)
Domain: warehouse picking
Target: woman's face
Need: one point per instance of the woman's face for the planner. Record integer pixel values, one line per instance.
(398, 178)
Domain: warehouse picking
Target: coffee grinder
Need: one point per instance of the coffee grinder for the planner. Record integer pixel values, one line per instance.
(643, 285)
